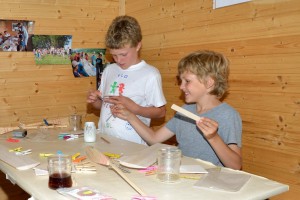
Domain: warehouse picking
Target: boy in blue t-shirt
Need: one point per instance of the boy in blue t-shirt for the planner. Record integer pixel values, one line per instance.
(216, 136)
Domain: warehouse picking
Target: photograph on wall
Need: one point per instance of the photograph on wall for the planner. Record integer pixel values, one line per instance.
(52, 49)
(88, 62)
(16, 35)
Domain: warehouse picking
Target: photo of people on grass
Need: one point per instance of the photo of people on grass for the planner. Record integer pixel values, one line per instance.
(15, 35)
(88, 62)
(52, 49)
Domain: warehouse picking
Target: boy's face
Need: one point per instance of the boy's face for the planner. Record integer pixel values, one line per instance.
(127, 56)
(192, 88)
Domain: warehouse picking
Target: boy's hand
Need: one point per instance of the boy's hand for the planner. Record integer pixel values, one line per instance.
(208, 127)
(93, 96)
(120, 111)
(124, 101)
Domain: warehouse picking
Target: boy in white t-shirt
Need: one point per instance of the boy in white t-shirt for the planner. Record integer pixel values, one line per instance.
(129, 81)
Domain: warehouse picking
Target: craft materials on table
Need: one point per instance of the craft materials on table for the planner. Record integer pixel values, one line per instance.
(85, 167)
(151, 170)
(52, 123)
(143, 198)
(18, 162)
(12, 140)
(60, 171)
(112, 155)
(19, 133)
(85, 192)
(68, 137)
(25, 152)
(105, 140)
(46, 154)
(75, 122)
(97, 157)
(76, 158)
(90, 132)
(143, 158)
(223, 179)
(17, 149)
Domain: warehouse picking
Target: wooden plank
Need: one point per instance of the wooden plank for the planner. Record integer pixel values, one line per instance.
(60, 11)
(46, 87)
(276, 102)
(43, 100)
(275, 48)
(45, 75)
(37, 114)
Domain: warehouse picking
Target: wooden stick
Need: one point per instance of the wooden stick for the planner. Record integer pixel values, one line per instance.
(185, 112)
(97, 157)
(105, 140)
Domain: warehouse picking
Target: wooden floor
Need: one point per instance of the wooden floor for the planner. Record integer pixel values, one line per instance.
(9, 191)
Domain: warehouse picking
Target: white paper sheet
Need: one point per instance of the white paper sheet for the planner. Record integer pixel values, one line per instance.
(225, 180)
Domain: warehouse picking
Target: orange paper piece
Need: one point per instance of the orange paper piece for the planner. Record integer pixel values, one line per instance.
(79, 159)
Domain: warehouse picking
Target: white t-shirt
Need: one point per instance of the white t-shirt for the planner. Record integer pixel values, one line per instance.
(142, 84)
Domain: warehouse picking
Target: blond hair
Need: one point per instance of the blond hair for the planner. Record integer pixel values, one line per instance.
(206, 64)
(123, 30)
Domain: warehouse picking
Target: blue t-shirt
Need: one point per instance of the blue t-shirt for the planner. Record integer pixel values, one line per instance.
(191, 140)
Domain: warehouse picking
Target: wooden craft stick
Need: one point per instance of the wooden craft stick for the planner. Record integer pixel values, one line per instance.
(97, 157)
(185, 112)
(105, 140)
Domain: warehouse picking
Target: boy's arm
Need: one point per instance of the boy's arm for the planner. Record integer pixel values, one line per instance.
(149, 112)
(147, 133)
(230, 155)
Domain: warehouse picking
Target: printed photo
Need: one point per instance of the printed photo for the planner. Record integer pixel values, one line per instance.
(16, 35)
(52, 49)
(88, 62)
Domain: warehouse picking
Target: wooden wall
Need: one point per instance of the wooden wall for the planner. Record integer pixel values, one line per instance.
(262, 40)
(30, 92)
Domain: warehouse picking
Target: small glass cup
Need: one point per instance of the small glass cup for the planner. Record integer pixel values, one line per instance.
(75, 122)
(59, 168)
(168, 160)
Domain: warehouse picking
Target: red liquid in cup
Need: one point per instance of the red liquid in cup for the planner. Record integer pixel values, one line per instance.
(58, 180)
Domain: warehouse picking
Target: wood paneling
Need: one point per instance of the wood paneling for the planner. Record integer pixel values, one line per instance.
(31, 92)
(262, 41)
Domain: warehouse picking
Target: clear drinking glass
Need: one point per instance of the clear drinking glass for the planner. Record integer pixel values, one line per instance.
(59, 168)
(168, 160)
(75, 122)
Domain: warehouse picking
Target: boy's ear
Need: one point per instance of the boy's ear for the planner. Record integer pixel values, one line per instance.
(138, 47)
(210, 83)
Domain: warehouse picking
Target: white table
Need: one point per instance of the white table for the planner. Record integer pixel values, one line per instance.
(109, 182)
